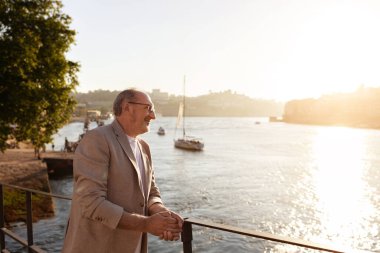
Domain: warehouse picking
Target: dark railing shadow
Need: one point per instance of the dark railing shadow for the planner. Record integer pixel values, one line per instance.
(187, 234)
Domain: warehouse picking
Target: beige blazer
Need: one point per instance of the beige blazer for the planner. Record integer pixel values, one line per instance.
(106, 183)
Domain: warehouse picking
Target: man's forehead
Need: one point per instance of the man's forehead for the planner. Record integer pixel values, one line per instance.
(142, 97)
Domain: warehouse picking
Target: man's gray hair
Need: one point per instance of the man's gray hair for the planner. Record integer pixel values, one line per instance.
(126, 95)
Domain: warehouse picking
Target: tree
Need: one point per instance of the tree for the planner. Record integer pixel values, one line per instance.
(36, 79)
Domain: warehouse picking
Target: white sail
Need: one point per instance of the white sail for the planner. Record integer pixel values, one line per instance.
(180, 115)
(186, 142)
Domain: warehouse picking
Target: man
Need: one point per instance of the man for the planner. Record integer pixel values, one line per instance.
(116, 200)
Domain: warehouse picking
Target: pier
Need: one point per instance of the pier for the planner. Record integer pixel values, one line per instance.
(59, 164)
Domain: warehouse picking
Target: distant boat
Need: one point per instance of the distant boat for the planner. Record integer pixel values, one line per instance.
(186, 142)
(275, 119)
(161, 131)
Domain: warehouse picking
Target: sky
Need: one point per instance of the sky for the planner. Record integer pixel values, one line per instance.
(270, 49)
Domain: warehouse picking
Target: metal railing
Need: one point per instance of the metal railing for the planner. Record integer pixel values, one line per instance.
(187, 234)
(28, 243)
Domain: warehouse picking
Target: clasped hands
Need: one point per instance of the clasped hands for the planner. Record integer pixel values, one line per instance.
(166, 225)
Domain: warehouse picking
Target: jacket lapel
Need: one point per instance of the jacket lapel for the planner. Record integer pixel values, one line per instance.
(124, 143)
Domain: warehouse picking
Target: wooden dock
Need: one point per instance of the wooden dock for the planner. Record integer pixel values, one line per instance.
(59, 164)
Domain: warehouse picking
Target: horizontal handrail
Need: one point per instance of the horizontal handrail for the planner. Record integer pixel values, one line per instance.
(261, 235)
(21, 240)
(36, 191)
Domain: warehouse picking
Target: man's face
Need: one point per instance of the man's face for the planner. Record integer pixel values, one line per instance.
(141, 112)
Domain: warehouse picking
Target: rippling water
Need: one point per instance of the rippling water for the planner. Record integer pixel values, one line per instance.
(309, 182)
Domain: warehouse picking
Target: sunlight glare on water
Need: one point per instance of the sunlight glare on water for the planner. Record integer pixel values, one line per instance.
(343, 196)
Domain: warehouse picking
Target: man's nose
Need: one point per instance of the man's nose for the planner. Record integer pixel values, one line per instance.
(152, 115)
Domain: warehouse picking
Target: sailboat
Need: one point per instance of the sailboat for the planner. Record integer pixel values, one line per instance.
(186, 142)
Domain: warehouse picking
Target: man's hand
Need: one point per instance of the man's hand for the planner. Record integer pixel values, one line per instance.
(168, 235)
(172, 236)
(164, 225)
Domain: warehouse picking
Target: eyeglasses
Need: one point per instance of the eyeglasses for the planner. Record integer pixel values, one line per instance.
(150, 107)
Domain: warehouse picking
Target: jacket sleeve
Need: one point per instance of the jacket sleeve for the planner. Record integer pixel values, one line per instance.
(91, 164)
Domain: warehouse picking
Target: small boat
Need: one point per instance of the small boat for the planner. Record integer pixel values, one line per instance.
(186, 142)
(161, 131)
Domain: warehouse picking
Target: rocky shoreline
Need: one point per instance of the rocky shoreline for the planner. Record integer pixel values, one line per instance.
(21, 167)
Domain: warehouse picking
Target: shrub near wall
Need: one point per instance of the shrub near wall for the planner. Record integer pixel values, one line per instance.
(22, 169)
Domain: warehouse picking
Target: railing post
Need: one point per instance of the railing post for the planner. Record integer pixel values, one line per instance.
(29, 220)
(2, 222)
(187, 237)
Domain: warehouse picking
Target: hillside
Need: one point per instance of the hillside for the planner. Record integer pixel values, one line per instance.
(357, 109)
(219, 104)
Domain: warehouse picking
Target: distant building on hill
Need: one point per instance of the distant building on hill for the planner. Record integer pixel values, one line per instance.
(159, 97)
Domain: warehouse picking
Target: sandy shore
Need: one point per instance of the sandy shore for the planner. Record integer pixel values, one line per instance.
(17, 165)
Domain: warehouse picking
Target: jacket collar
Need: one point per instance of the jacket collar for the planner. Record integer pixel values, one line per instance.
(124, 142)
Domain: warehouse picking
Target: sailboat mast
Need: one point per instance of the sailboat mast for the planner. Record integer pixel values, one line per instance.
(184, 108)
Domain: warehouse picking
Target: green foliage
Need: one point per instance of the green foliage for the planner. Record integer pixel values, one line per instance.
(15, 206)
(36, 79)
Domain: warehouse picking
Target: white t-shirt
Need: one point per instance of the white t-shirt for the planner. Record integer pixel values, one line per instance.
(140, 164)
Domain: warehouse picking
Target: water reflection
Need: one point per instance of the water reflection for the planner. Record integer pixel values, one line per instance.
(319, 184)
(344, 203)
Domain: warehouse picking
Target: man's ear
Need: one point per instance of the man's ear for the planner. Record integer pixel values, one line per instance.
(126, 107)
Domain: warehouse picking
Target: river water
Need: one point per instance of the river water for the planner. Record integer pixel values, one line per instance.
(315, 183)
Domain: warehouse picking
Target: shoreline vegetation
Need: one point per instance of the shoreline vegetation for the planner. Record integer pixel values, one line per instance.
(21, 167)
(215, 104)
(358, 109)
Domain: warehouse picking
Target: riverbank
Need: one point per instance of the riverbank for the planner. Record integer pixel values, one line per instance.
(22, 168)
